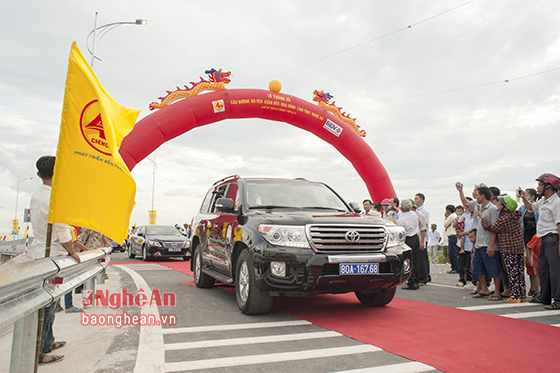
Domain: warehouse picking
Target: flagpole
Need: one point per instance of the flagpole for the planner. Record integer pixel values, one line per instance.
(41, 314)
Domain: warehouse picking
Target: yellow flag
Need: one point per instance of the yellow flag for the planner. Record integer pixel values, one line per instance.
(92, 187)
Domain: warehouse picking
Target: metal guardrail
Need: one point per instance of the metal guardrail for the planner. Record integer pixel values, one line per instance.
(26, 287)
(12, 248)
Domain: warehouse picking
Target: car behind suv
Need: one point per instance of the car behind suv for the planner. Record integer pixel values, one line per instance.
(158, 241)
(280, 237)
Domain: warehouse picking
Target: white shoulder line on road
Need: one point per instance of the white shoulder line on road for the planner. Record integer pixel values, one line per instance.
(523, 315)
(557, 325)
(250, 340)
(150, 357)
(146, 267)
(496, 305)
(214, 328)
(267, 358)
(411, 367)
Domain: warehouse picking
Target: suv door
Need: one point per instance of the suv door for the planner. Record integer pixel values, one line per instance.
(208, 229)
(225, 224)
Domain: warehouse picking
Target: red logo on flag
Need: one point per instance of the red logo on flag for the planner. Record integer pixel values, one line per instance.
(92, 129)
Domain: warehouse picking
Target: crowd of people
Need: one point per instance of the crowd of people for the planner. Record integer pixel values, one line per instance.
(489, 237)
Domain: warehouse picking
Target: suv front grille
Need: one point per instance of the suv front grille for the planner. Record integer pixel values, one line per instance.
(329, 238)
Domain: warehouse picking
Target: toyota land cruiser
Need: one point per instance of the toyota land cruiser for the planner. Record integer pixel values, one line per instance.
(280, 237)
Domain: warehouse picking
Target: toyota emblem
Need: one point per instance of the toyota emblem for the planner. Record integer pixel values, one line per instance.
(352, 236)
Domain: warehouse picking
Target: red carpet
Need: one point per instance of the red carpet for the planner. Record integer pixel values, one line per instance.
(446, 338)
(183, 267)
(449, 339)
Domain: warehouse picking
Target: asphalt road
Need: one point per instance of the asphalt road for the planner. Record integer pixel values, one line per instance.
(209, 334)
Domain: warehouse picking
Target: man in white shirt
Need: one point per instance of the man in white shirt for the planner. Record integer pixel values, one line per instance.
(452, 238)
(423, 257)
(434, 239)
(409, 221)
(548, 230)
(368, 208)
(419, 200)
(61, 244)
(465, 248)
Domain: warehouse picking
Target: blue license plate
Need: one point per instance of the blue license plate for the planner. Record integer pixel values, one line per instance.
(359, 269)
(174, 249)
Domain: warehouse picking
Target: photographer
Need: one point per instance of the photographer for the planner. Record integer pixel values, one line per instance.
(548, 230)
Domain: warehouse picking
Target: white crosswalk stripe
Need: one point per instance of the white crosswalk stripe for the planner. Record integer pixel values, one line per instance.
(268, 358)
(250, 340)
(496, 306)
(527, 315)
(512, 306)
(276, 357)
(215, 328)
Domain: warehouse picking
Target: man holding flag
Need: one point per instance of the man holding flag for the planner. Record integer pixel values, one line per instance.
(92, 128)
(60, 244)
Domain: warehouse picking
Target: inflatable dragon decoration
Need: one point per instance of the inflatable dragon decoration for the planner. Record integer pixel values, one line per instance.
(217, 80)
(323, 100)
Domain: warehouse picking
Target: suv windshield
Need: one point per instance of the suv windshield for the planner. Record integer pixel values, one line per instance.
(162, 231)
(267, 194)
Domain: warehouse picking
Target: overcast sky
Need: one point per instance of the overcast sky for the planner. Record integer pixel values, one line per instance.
(468, 93)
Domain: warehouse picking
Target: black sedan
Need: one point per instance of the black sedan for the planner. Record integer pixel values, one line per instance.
(158, 241)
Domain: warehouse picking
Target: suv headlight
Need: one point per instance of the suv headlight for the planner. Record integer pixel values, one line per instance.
(395, 236)
(284, 235)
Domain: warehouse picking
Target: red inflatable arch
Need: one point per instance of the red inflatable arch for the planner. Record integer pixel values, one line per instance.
(182, 116)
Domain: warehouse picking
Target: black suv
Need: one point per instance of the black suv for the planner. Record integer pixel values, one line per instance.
(280, 237)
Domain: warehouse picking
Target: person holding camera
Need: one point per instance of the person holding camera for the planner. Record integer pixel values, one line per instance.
(510, 242)
(532, 242)
(451, 237)
(548, 230)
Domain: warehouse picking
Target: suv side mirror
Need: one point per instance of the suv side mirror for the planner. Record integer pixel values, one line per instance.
(224, 205)
(356, 207)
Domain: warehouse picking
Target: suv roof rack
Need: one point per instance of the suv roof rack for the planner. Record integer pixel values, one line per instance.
(227, 178)
(300, 178)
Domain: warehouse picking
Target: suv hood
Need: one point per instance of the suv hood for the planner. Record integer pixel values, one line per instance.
(290, 217)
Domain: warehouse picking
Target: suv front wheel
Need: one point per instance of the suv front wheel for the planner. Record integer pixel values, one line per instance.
(383, 297)
(250, 299)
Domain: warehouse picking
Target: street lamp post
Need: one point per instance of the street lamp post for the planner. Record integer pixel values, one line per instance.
(104, 30)
(17, 196)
